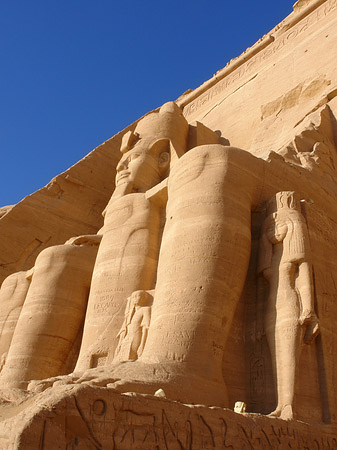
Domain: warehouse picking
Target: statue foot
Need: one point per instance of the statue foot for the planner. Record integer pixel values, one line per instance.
(287, 412)
(283, 412)
(13, 396)
(37, 386)
(311, 333)
(275, 413)
(98, 376)
(147, 378)
(144, 378)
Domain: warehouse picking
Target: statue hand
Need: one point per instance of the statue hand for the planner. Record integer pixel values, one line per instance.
(90, 239)
(309, 321)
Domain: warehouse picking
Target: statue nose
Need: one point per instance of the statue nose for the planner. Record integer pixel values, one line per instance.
(122, 165)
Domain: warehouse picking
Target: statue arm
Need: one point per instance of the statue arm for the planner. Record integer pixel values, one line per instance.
(90, 239)
(120, 332)
(145, 325)
(265, 252)
(264, 270)
(259, 325)
(308, 318)
(129, 311)
(145, 331)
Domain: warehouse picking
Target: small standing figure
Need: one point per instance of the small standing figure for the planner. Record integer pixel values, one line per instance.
(133, 333)
(290, 319)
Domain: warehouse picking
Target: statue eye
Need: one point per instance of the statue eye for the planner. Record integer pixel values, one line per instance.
(133, 156)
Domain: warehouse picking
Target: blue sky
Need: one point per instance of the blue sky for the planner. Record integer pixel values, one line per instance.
(74, 73)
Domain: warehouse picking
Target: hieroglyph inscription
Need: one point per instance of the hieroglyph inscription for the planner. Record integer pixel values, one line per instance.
(252, 64)
(124, 425)
(199, 432)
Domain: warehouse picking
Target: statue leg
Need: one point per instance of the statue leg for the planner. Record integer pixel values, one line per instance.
(202, 267)
(284, 344)
(12, 296)
(126, 261)
(286, 355)
(52, 315)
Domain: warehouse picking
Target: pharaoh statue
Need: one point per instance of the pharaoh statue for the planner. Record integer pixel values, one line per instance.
(52, 314)
(193, 250)
(290, 319)
(127, 258)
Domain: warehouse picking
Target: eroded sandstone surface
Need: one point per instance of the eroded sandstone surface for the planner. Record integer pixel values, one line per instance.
(186, 264)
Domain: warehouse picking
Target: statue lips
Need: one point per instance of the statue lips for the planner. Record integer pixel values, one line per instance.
(121, 175)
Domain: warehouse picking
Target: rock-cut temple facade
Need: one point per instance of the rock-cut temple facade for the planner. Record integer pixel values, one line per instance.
(177, 287)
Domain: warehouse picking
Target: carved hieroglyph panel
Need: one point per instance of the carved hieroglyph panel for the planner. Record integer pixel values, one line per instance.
(274, 84)
(97, 418)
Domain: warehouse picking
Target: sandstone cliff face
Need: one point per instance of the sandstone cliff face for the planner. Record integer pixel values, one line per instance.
(274, 85)
(179, 265)
(93, 418)
(70, 205)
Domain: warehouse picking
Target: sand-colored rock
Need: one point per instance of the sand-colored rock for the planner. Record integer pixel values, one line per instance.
(51, 319)
(98, 418)
(70, 205)
(215, 278)
(13, 293)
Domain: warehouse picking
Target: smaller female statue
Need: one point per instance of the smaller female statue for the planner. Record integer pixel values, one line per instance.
(133, 333)
(285, 261)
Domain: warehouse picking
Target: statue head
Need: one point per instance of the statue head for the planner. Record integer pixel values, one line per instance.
(158, 139)
(140, 298)
(283, 202)
(284, 224)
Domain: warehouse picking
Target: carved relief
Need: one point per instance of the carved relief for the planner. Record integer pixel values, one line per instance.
(313, 148)
(128, 422)
(290, 319)
(133, 333)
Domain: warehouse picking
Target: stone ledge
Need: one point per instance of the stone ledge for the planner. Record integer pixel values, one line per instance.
(89, 417)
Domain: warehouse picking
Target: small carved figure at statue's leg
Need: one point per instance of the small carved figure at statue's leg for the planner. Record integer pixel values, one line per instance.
(285, 262)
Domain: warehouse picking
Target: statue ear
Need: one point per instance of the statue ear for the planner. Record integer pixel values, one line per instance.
(163, 161)
(162, 149)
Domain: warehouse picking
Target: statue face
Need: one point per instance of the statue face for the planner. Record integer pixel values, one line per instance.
(137, 297)
(139, 168)
(276, 231)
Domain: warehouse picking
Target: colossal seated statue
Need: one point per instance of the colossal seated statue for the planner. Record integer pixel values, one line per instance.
(128, 254)
(178, 225)
(196, 266)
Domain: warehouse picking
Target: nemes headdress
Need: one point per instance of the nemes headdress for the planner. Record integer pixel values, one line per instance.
(168, 123)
